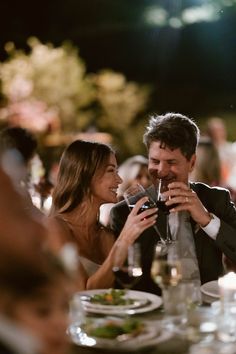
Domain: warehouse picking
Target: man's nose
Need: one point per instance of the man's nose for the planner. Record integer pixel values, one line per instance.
(163, 169)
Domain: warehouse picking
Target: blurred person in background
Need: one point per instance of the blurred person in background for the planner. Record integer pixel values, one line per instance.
(207, 168)
(33, 290)
(18, 152)
(17, 149)
(22, 258)
(133, 170)
(216, 129)
(34, 308)
(88, 178)
(23, 234)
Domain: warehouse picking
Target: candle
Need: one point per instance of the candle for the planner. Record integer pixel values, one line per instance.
(228, 281)
(227, 288)
(227, 320)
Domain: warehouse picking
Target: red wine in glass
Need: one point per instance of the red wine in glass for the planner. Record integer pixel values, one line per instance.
(126, 277)
(161, 204)
(147, 205)
(134, 193)
(127, 271)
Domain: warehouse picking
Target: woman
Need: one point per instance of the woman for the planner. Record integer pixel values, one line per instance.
(87, 178)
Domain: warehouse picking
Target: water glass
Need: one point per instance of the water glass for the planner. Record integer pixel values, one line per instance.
(174, 306)
(76, 310)
(202, 325)
(193, 296)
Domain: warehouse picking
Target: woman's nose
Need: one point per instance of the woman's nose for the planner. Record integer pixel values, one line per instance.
(119, 179)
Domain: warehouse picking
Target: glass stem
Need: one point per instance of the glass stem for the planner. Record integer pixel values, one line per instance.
(168, 236)
(159, 234)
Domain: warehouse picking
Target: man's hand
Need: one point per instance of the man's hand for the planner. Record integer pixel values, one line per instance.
(186, 199)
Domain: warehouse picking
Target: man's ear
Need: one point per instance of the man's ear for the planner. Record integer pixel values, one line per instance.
(192, 162)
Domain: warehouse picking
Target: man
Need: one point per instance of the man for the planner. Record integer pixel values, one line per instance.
(202, 219)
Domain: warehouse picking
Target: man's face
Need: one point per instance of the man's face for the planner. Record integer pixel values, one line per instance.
(170, 165)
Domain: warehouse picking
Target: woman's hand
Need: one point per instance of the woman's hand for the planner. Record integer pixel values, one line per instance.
(138, 221)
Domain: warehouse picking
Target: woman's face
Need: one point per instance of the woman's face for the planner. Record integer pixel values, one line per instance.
(106, 181)
(46, 316)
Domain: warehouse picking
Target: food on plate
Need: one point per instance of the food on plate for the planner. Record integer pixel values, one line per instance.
(112, 328)
(111, 297)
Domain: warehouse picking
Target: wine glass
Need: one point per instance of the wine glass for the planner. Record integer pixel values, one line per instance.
(166, 272)
(127, 266)
(161, 204)
(136, 192)
(166, 266)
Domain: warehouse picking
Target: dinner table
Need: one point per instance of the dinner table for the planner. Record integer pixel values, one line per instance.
(171, 341)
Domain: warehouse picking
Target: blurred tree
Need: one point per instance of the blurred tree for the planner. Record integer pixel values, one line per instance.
(48, 83)
(119, 108)
(47, 90)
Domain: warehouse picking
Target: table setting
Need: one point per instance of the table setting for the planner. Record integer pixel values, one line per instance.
(139, 322)
(118, 320)
(187, 318)
(123, 324)
(126, 320)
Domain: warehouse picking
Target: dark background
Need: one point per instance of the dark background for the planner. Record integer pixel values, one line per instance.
(192, 69)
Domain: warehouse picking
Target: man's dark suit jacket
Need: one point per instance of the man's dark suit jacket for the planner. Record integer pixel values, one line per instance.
(209, 252)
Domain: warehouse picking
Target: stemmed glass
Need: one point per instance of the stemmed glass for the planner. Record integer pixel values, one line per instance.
(127, 270)
(161, 204)
(166, 272)
(166, 266)
(136, 192)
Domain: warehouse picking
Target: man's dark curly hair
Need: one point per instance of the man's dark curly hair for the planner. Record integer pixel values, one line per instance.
(173, 130)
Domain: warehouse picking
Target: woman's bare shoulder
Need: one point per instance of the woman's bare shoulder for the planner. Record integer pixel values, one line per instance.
(59, 231)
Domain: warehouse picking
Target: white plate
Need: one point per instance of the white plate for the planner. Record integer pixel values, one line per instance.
(144, 302)
(151, 336)
(95, 306)
(211, 290)
(136, 302)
